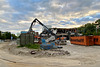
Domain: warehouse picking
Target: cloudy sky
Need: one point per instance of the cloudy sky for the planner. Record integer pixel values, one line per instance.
(17, 15)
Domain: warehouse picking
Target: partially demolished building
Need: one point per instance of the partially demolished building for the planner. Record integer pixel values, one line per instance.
(62, 32)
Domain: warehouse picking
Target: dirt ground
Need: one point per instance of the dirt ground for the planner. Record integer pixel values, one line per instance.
(80, 56)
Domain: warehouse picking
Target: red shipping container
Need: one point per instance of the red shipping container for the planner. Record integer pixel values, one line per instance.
(82, 40)
(97, 40)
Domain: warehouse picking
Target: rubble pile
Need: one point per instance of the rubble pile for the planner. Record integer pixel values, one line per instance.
(51, 53)
(23, 51)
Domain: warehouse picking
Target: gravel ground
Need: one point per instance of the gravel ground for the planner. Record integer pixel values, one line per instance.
(23, 51)
(76, 56)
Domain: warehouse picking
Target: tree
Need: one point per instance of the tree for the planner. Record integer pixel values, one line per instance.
(81, 29)
(97, 25)
(97, 21)
(3, 37)
(8, 35)
(0, 34)
(87, 29)
(14, 36)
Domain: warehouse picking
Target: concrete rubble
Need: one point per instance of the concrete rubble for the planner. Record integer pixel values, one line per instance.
(12, 48)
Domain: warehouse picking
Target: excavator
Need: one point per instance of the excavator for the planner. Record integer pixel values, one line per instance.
(51, 39)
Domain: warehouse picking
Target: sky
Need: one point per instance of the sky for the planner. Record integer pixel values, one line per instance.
(17, 15)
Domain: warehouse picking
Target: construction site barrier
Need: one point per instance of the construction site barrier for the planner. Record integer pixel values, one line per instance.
(97, 40)
(82, 40)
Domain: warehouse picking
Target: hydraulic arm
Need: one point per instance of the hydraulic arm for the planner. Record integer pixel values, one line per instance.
(36, 20)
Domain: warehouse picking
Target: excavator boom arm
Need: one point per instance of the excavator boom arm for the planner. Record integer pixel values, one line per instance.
(36, 20)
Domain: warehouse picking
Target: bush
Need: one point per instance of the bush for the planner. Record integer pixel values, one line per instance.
(98, 33)
(31, 46)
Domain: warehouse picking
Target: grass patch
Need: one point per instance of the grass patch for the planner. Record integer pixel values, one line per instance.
(31, 46)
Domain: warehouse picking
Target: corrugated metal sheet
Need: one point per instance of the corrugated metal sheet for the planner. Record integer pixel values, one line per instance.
(26, 38)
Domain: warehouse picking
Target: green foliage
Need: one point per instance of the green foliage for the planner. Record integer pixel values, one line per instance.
(3, 37)
(87, 29)
(98, 33)
(31, 46)
(97, 21)
(7, 35)
(14, 36)
(0, 34)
